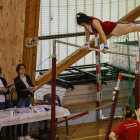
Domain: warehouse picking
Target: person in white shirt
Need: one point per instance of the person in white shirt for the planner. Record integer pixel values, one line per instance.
(3, 91)
(23, 82)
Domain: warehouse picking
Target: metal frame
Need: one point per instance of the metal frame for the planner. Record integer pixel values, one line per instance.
(98, 76)
(114, 102)
(117, 92)
(116, 89)
(76, 75)
(53, 92)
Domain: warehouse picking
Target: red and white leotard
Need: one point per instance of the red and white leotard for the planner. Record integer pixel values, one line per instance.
(107, 26)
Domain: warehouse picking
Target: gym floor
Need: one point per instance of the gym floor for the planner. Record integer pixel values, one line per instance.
(90, 131)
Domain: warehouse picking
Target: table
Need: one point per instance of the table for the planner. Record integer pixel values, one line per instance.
(7, 120)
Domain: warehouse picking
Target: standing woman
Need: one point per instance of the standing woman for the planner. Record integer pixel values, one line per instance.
(92, 24)
(22, 82)
(3, 92)
(129, 128)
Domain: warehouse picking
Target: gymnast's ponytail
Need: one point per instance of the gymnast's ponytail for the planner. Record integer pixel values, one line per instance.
(127, 112)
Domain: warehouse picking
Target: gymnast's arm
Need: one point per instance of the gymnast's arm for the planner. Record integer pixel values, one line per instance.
(138, 114)
(96, 24)
(87, 34)
(112, 136)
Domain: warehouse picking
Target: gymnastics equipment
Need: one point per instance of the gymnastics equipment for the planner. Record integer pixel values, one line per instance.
(98, 75)
(96, 50)
(53, 91)
(113, 103)
(82, 114)
(114, 100)
(78, 54)
(92, 49)
(31, 42)
(82, 55)
(117, 92)
(98, 80)
(97, 64)
(119, 64)
(116, 96)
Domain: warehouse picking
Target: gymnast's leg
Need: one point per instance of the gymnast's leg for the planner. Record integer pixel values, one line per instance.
(124, 29)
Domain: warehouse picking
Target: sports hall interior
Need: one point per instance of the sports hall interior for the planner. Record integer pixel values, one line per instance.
(27, 31)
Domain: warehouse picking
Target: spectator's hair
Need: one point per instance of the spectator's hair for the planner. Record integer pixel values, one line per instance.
(127, 112)
(18, 67)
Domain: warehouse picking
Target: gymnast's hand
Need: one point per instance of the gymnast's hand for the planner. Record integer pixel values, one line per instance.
(86, 46)
(104, 51)
(137, 112)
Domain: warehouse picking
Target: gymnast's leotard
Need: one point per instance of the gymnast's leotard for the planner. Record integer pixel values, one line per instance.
(107, 26)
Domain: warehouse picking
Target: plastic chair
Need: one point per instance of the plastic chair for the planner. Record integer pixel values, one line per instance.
(46, 130)
(47, 97)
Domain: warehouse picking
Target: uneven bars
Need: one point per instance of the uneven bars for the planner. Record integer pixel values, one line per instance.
(92, 49)
(127, 75)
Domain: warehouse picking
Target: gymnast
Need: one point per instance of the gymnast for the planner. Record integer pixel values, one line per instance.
(129, 128)
(94, 25)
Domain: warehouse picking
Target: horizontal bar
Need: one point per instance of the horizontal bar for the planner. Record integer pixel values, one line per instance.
(58, 41)
(92, 49)
(62, 36)
(128, 75)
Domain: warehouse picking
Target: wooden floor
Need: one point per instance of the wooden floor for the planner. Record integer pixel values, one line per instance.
(92, 131)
